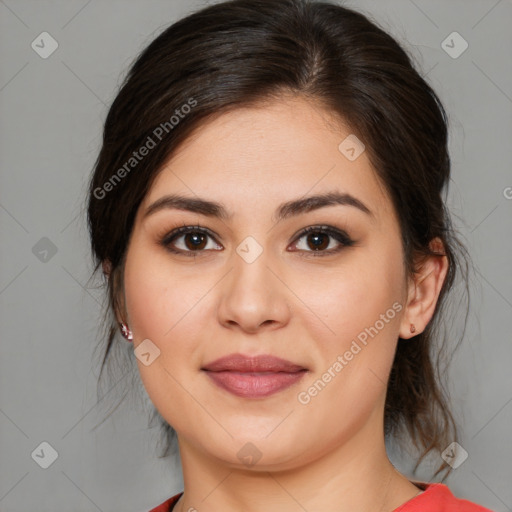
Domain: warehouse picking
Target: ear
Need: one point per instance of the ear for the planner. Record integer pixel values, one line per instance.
(424, 291)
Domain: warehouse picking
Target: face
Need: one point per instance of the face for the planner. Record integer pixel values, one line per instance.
(251, 282)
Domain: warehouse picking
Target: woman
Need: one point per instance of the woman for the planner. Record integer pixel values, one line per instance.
(267, 207)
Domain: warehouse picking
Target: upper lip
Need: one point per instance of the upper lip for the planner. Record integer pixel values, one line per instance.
(260, 363)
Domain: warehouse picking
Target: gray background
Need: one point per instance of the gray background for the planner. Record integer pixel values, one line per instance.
(51, 120)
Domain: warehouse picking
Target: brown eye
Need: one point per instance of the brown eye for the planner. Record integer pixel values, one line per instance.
(317, 241)
(188, 240)
(322, 240)
(195, 241)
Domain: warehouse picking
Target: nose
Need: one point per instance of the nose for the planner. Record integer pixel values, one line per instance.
(254, 296)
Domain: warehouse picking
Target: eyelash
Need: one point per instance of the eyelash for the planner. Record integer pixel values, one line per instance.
(335, 233)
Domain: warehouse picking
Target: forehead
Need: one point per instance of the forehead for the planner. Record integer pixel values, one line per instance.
(251, 159)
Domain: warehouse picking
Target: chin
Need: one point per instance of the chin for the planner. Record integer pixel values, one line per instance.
(258, 452)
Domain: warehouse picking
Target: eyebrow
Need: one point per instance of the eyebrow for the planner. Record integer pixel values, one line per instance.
(284, 211)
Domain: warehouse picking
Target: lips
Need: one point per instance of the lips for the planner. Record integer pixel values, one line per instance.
(262, 363)
(253, 377)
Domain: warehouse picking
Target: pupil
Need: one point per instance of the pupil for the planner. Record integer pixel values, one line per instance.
(316, 238)
(318, 241)
(198, 240)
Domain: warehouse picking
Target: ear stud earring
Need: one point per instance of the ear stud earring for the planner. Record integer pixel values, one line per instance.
(127, 334)
(412, 328)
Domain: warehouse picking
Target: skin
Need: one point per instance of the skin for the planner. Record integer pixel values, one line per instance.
(328, 454)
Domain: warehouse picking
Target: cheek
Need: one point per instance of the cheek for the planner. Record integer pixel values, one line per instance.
(166, 306)
(354, 295)
(157, 297)
(159, 310)
(360, 307)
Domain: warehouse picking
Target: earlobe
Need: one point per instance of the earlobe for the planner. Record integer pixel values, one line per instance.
(424, 291)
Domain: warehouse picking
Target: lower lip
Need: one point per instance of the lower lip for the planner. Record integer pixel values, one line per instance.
(254, 385)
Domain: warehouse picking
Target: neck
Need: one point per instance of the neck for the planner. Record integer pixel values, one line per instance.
(356, 475)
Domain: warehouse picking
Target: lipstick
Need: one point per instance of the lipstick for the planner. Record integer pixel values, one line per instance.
(253, 377)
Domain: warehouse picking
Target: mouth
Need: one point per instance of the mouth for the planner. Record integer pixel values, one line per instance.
(253, 377)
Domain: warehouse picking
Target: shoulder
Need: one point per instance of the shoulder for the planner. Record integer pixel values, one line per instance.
(438, 498)
(167, 505)
(433, 495)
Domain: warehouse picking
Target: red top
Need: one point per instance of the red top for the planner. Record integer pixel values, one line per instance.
(434, 495)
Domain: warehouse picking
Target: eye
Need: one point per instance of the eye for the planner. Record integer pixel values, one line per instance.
(194, 239)
(189, 240)
(317, 240)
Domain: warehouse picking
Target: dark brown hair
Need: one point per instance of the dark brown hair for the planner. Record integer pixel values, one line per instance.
(244, 52)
